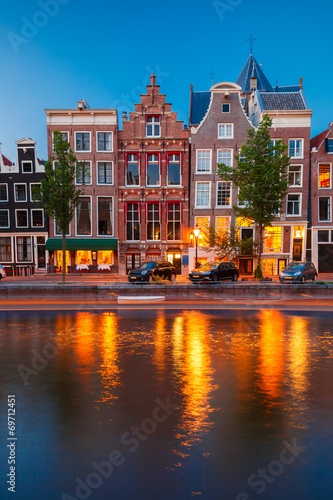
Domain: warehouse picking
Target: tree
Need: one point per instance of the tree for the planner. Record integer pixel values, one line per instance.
(261, 178)
(225, 244)
(58, 194)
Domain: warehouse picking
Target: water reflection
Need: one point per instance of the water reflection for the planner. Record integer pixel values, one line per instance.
(109, 368)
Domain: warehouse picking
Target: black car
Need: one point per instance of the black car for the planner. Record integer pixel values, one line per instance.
(213, 271)
(298, 271)
(149, 271)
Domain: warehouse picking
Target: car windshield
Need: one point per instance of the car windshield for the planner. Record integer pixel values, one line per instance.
(148, 265)
(208, 266)
(295, 266)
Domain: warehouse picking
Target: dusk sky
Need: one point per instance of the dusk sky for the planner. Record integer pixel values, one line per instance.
(104, 52)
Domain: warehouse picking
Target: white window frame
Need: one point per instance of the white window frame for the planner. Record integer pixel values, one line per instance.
(330, 209)
(26, 194)
(97, 176)
(4, 184)
(296, 139)
(300, 205)
(295, 185)
(112, 218)
(104, 150)
(37, 210)
(153, 126)
(21, 210)
(217, 189)
(59, 234)
(31, 247)
(82, 150)
(325, 163)
(209, 194)
(224, 126)
(225, 104)
(225, 149)
(30, 190)
(90, 175)
(210, 162)
(5, 210)
(30, 162)
(91, 220)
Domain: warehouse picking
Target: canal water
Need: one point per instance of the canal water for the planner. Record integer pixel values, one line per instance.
(168, 405)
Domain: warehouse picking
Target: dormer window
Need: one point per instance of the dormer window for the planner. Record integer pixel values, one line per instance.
(153, 126)
(27, 167)
(226, 108)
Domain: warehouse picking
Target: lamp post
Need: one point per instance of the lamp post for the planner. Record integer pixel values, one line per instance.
(196, 232)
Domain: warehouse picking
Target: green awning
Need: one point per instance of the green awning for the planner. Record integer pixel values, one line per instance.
(93, 244)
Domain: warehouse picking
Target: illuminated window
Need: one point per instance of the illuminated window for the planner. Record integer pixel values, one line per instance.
(244, 222)
(273, 239)
(83, 257)
(223, 195)
(222, 228)
(105, 257)
(324, 175)
(153, 222)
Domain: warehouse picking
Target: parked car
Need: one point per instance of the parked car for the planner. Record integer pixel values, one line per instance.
(298, 271)
(2, 272)
(212, 271)
(149, 271)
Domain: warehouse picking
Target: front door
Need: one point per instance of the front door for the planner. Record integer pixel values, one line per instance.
(175, 258)
(297, 249)
(282, 264)
(132, 261)
(41, 263)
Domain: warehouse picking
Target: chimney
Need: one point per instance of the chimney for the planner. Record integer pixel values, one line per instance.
(301, 82)
(153, 80)
(124, 116)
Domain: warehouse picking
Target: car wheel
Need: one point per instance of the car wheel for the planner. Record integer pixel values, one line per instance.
(172, 277)
(314, 278)
(150, 278)
(235, 277)
(214, 277)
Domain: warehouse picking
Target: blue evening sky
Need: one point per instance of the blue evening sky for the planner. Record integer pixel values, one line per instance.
(104, 52)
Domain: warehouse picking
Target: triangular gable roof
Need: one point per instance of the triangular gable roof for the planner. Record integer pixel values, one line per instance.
(318, 139)
(252, 69)
(25, 141)
(6, 162)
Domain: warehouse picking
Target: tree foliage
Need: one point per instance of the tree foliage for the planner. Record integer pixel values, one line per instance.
(226, 244)
(261, 177)
(58, 193)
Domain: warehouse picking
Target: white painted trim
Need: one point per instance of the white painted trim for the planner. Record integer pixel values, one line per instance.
(37, 210)
(225, 136)
(30, 192)
(112, 217)
(210, 162)
(12, 261)
(300, 205)
(91, 220)
(112, 174)
(325, 163)
(30, 162)
(104, 150)
(330, 207)
(16, 248)
(297, 186)
(296, 139)
(5, 210)
(90, 172)
(196, 194)
(26, 192)
(82, 150)
(21, 210)
(4, 184)
(223, 206)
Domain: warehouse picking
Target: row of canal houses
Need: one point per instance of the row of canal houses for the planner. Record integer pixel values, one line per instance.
(150, 182)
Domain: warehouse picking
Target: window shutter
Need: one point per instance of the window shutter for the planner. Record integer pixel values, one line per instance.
(326, 145)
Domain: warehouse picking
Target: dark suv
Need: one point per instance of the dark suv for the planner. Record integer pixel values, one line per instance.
(212, 271)
(149, 271)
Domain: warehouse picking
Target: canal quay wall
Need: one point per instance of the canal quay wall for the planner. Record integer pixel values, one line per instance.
(111, 291)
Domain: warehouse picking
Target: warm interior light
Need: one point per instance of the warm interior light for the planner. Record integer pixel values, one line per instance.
(196, 232)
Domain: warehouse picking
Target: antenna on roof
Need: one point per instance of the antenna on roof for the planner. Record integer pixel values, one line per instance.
(212, 74)
(251, 40)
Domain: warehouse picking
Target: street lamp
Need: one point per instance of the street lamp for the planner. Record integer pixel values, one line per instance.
(196, 232)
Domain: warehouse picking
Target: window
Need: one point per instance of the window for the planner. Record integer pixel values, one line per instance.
(324, 208)
(3, 192)
(132, 170)
(222, 228)
(37, 218)
(273, 239)
(174, 222)
(105, 216)
(294, 204)
(323, 237)
(273, 143)
(202, 222)
(83, 173)
(104, 172)
(295, 175)
(20, 192)
(65, 138)
(153, 126)
(26, 167)
(83, 217)
(223, 196)
(153, 221)
(57, 230)
(21, 218)
(329, 145)
(225, 131)
(5, 249)
(296, 148)
(132, 222)
(225, 156)
(4, 218)
(104, 141)
(153, 170)
(204, 161)
(202, 198)
(324, 175)
(225, 108)
(82, 141)
(36, 185)
(23, 245)
(174, 170)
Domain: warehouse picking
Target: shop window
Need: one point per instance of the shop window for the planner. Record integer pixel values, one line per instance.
(5, 249)
(273, 239)
(105, 257)
(23, 247)
(83, 257)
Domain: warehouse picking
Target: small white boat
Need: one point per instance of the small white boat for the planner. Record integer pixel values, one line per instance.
(140, 298)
